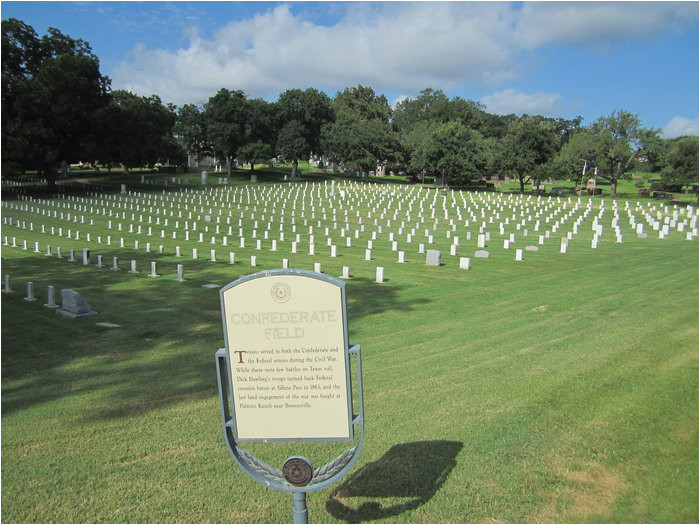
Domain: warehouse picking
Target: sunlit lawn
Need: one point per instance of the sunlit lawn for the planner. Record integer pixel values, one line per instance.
(563, 388)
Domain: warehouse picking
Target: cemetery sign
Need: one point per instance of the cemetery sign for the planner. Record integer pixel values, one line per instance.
(285, 375)
(286, 339)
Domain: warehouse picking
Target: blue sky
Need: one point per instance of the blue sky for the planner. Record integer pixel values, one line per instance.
(558, 59)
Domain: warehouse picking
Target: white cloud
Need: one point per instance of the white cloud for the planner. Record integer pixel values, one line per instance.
(679, 126)
(510, 101)
(600, 24)
(391, 46)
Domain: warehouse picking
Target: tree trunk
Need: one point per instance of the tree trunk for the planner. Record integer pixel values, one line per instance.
(50, 179)
(613, 188)
(228, 165)
(521, 180)
(295, 164)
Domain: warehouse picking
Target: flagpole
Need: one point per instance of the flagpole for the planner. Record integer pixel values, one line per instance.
(583, 174)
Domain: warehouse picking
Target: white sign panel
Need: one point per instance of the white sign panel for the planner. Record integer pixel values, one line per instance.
(286, 340)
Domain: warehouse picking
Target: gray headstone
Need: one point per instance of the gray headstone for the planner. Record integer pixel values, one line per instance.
(432, 257)
(531, 248)
(482, 254)
(73, 305)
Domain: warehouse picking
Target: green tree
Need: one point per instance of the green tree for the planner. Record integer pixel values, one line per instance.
(584, 148)
(225, 115)
(300, 118)
(652, 151)
(361, 103)
(135, 131)
(682, 162)
(259, 135)
(530, 143)
(453, 153)
(361, 136)
(253, 152)
(51, 88)
(416, 119)
(620, 134)
(292, 144)
(191, 131)
(362, 144)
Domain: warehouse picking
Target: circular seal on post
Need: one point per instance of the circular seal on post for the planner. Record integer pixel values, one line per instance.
(297, 471)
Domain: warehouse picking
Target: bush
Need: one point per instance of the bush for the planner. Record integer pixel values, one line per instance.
(660, 185)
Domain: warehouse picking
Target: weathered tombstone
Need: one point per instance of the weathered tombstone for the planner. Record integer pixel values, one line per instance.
(346, 273)
(51, 297)
(432, 257)
(518, 255)
(205, 178)
(482, 254)
(153, 270)
(73, 305)
(8, 288)
(180, 273)
(30, 292)
(465, 263)
(531, 248)
(133, 266)
(291, 317)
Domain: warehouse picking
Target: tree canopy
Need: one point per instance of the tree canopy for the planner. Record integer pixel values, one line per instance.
(51, 88)
(57, 108)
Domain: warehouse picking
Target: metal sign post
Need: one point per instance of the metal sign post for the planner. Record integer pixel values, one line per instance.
(285, 375)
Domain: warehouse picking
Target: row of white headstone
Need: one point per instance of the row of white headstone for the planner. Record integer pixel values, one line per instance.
(180, 267)
(664, 231)
(480, 242)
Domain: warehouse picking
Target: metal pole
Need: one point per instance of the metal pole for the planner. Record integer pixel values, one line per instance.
(301, 513)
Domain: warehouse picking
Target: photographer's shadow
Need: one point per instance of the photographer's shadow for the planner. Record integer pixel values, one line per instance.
(406, 477)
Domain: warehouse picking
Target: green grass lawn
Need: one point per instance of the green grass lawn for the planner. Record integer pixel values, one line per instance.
(563, 388)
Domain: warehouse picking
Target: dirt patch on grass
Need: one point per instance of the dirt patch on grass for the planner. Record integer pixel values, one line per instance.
(596, 489)
(585, 494)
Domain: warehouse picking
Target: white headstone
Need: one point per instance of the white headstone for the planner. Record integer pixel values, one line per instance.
(380, 274)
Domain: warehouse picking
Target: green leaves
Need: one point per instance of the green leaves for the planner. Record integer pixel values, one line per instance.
(51, 89)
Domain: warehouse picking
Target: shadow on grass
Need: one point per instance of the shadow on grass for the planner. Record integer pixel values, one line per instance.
(405, 478)
(162, 354)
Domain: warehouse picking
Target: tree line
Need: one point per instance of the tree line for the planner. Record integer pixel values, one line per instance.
(57, 108)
